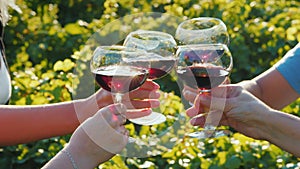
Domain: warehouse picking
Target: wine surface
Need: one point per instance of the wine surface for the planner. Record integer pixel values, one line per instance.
(203, 77)
(120, 79)
(158, 67)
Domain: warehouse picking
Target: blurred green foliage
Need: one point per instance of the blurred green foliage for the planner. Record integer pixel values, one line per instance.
(46, 43)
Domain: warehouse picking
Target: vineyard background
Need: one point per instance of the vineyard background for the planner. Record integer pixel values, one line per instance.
(43, 45)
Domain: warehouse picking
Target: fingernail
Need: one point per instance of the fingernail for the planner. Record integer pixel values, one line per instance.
(156, 86)
(193, 121)
(155, 103)
(154, 95)
(187, 93)
(157, 94)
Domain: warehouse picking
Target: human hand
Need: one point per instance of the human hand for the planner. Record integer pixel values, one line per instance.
(241, 110)
(95, 141)
(190, 94)
(143, 98)
(100, 137)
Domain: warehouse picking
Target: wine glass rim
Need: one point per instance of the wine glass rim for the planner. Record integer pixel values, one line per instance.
(152, 33)
(202, 18)
(119, 49)
(209, 46)
(192, 46)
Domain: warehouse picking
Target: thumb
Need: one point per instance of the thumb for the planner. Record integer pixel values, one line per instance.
(202, 99)
(201, 104)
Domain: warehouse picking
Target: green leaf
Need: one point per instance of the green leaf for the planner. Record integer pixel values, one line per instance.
(233, 162)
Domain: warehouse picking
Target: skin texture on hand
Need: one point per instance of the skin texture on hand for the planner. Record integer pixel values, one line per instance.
(251, 117)
(96, 140)
(145, 97)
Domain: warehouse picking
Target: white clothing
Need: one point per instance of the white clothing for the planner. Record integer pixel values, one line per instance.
(5, 82)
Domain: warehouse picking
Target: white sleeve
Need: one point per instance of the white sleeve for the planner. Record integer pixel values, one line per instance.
(5, 82)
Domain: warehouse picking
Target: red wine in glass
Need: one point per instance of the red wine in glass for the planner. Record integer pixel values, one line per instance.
(203, 67)
(158, 67)
(206, 77)
(161, 47)
(120, 79)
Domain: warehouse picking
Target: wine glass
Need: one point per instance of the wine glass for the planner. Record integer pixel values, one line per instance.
(202, 30)
(114, 74)
(203, 67)
(160, 47)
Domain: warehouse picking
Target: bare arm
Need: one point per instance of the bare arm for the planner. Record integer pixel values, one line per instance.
(271, 88)
(283, 130)
(23, 124)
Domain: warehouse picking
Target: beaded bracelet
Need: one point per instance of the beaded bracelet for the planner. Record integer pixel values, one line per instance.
(71, 158)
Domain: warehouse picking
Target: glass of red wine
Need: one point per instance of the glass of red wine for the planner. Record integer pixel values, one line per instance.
(160, 47)
(202, 30)
(114, 74)
(203, 67)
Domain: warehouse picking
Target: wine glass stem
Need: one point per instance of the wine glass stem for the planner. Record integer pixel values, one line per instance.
(209, 128)
(118, 97)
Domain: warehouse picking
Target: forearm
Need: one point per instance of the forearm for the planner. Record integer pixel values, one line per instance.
(283, 130)
(22, 124)
(253, 87)
(271, 88)
(67, 159)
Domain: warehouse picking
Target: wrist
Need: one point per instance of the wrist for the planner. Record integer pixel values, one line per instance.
(86, 154)
(282, 126)
(271, 129)
(85, 108)
(262, 123)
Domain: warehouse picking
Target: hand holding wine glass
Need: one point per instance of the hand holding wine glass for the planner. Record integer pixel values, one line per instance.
(114, 74)
(203, 67)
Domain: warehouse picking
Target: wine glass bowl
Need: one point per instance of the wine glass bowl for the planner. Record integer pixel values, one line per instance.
(160, 48)
(207, 65)
(159, 66)
(203, 67)
(112, 72)
(152, 41)
(202, 30)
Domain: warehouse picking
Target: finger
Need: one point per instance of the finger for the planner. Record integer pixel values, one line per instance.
(232, 90)
(118, 120)
(224, 121)
(123, 130)
(198, 121)
(143, 94)
(191, 112)
(122, 119)
(189, 95)
(227, 81)
(190, 89)
(150, 85)
(141, 104)
(137, 113)
(118, 115)
(202, 101)
(117, 109)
